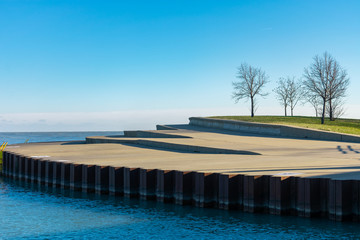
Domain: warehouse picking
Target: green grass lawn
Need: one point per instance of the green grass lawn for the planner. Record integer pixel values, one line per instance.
(350, 126)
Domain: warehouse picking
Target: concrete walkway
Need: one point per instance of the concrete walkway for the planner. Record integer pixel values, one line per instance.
(275, 155)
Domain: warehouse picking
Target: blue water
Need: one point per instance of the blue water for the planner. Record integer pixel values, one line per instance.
(22, 137)
(33, 212)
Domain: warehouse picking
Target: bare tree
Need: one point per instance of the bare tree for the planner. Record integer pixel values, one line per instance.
(318, 77)
(289, 93)
(295, 93)
(251, 82)
(282, 93)
(337, 108)
(315, 101)
(338, 84)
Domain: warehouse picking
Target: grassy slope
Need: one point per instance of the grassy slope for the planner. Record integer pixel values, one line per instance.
(350, 126)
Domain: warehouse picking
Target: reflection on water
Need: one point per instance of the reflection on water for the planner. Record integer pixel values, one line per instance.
(34, 212)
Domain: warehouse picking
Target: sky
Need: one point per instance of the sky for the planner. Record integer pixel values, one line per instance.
(76, 65)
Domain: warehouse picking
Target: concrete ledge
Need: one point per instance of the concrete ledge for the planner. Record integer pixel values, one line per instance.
(164, 127)
(239, 126)
(306, 197)
(272, 129)
(152, 134)
(168, 145)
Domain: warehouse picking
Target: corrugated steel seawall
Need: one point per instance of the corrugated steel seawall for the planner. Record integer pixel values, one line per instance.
(306, 197)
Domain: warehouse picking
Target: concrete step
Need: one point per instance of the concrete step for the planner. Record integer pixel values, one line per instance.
(168, 145)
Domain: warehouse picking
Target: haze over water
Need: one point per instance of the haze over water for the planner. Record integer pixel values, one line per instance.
(22, 137)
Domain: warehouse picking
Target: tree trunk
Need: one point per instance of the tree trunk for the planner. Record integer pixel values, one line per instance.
(292, 111)
(252, 106)
(331, 114)
(323, 112)
(285, 111)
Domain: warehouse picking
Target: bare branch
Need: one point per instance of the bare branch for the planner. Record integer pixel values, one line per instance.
(250, 84)
(282, 93)
(327, 80)
(295, 93)
(337, 108)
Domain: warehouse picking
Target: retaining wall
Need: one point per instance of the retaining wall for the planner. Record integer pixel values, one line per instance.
(271, 129)
(152, 134)
(307, 197)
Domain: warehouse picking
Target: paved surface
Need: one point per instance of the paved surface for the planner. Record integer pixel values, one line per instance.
(277, 156)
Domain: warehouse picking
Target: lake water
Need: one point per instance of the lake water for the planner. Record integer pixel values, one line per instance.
(21, 137)
(32, 212)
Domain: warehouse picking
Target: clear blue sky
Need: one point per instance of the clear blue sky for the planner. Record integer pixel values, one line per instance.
(110, 65)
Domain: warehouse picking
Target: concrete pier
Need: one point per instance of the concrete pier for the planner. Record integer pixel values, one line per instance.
(306, 197)
(262, 174)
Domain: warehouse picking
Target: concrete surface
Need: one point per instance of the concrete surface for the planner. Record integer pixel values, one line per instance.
(276, 155)
(273, 129)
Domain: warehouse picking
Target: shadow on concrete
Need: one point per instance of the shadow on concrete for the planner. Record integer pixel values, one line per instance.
(158, 148)
(173, 147)
(180, 148)
(341, 150)
(351, 149)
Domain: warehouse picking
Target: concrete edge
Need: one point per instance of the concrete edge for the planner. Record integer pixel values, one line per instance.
(170, 146)
(164, 127)
(306, 197)
(152, 134)
(273, 130)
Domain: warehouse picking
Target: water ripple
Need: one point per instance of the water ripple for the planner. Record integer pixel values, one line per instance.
(30, 212)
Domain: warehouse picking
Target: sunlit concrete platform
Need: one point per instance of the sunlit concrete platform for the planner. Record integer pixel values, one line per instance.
(190, 148)
(203, 167)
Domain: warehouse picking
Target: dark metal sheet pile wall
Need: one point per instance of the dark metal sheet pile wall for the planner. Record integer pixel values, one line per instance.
(306, 197)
